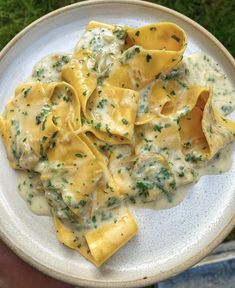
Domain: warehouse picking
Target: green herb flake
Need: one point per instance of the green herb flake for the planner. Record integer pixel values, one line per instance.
(106, 147)
(143, 188)
(111, 201)
(120, 33)
(148, 58)
(26, 91)
(119, 156)
(158, 127)
(102, 103)
(129, 54)
(98, 126)
(211, 79)
(181, 174)
(39, 74)
(125, 121)
(227, 109)
(50, 185)
(108, 130)
(193, 158)
(82, 203)
(61, 62)
(79, 155)
(44, 139)
(66, 99)
(41, 117)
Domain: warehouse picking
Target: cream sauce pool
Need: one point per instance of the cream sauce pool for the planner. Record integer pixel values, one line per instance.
(30, 189)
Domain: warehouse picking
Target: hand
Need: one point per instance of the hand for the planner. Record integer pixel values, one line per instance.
(15, 273)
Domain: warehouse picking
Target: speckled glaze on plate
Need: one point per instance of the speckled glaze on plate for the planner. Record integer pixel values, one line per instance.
(169, 241)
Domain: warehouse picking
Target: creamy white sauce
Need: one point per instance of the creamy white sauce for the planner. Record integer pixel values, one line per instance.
(31, 190)
(162, 202)
(221, 163)
(38, 203)
(106, 46)
(48, 69)
(143, 106)
(201, 69)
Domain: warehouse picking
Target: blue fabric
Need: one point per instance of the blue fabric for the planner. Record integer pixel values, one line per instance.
(217, 275)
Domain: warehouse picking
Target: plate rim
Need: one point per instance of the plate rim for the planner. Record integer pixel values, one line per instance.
(156, 277)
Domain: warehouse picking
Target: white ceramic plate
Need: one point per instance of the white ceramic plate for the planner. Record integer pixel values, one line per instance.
(169, 241)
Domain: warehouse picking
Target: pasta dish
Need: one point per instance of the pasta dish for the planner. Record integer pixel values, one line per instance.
(125, 120)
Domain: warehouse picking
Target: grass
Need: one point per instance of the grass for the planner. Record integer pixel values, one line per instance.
(217, 16)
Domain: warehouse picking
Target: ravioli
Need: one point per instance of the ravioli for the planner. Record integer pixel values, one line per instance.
(117, 123)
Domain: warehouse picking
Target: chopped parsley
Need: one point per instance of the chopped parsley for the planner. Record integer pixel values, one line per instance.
(129, 54)
(148, 58)
(82, 203)
(120, 33)
(193, 158)
(143, 188)
(106, 147)
(98, 126)
(181, 172)
(211, 79)
(61, 62)
(67, 99)
(125, 121)
(112, 201)
(102, 103)
(41, 117)
(119, 156)
(50, 185)
(108, 130)
(44, 139)
(227, 109)
(39, 74)
(158, 127)
(26, 91)
(80, 155)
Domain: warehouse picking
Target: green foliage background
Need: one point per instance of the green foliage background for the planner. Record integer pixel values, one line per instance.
(217, 16)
